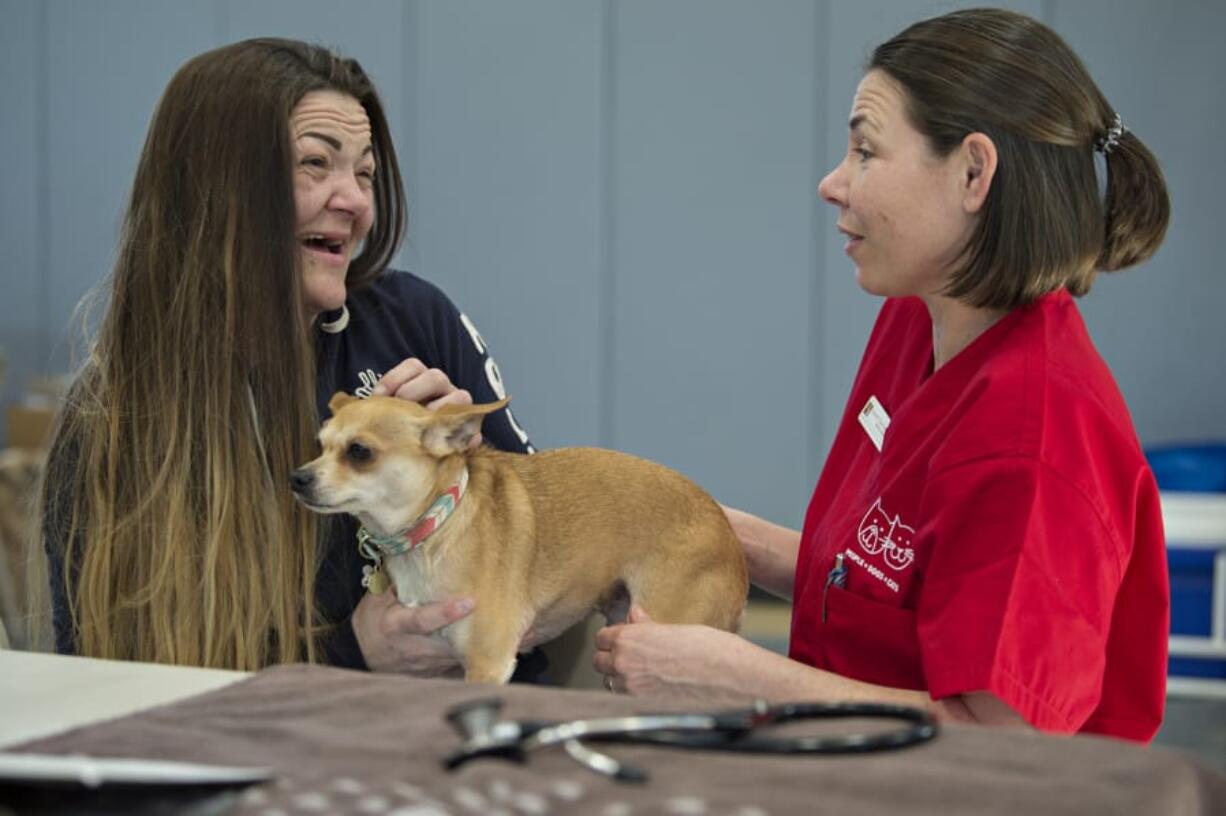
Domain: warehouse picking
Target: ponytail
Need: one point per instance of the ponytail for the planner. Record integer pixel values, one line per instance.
(1137, 206)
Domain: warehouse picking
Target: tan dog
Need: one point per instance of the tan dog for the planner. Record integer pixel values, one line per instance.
(538, 540)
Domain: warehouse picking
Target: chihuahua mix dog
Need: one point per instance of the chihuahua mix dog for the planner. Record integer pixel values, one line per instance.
(538, 540)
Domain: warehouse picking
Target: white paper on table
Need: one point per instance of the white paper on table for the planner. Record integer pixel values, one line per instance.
(95, 771)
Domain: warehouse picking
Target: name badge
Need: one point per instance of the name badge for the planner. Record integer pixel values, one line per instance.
(874, 420)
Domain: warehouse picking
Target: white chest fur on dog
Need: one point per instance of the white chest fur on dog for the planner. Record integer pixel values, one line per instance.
(415, 577)
(538, 541)
(420, 576)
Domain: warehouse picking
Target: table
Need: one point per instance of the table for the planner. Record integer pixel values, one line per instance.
(341, 741)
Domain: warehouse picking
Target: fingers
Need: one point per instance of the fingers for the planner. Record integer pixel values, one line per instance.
(457, 397)
(396, 638)
(424, 387)
(412, 380)
(638, 615)
(602, 662)
(422, 620)
(401, 373)
(606, 637)
(606, 645)
(621, 652)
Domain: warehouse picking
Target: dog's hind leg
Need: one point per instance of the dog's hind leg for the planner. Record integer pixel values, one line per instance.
(714, 598)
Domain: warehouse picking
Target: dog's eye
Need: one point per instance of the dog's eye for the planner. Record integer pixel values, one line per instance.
(357, 452)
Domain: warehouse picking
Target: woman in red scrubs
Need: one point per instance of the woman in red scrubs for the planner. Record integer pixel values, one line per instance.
(985, 539)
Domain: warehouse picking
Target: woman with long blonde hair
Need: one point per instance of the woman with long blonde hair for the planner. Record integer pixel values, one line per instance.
(251, 283)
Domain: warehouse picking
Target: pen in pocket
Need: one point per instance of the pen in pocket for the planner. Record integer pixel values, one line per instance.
(838, 577)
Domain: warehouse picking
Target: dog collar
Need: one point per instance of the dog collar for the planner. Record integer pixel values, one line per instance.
(373, 546)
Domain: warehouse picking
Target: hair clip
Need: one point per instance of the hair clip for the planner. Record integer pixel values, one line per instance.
(1108, 142)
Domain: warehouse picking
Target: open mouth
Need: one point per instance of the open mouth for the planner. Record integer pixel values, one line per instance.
(324, 244)
(853, 240)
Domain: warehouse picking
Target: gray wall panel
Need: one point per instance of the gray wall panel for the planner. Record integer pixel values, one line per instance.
(1160, 325)
(22, 229)
(108, 64)
(713, 163)
(506, 195)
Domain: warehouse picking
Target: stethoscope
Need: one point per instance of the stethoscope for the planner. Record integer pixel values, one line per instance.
(485, 735)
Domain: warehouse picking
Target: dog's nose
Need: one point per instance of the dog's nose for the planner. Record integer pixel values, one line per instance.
(301, 479)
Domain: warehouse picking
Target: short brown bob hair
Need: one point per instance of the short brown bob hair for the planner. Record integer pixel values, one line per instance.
(1044, 225)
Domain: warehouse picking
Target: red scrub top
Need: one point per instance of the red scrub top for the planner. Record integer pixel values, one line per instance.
(1007, 537)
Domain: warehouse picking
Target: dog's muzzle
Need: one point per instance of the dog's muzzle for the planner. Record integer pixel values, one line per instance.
(302, 482)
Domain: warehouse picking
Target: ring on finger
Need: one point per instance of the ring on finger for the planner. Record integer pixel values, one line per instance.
(608, 684)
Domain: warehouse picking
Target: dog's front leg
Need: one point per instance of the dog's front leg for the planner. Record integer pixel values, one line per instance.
(489, 649)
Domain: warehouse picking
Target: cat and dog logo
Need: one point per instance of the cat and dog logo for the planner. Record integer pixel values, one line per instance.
(882, 533)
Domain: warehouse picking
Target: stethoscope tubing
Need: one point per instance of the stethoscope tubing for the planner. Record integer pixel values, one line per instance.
(735, 730)
(738, 730)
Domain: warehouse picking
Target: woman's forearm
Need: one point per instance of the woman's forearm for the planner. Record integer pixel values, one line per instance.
(688, 661)
(779, 679)
(770, 550)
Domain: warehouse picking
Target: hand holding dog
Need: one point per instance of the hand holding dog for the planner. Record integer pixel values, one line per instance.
(682, 661)
(396, 638)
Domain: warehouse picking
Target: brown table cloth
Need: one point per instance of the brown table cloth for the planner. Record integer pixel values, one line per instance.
(351, 742)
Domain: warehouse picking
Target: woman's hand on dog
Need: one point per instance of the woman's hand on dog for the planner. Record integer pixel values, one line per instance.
(674, 660)
(413, 380)
(396, 638)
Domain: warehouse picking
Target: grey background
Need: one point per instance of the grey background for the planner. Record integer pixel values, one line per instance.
(622, 195)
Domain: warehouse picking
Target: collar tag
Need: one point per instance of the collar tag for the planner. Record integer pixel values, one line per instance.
(874, 420)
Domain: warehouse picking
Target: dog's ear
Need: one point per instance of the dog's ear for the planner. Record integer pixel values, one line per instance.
(451, 429)
(339, 400)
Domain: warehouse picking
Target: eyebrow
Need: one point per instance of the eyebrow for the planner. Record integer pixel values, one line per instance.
(856, 121)
(331, 142)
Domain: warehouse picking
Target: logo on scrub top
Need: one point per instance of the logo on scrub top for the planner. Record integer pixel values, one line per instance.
(882, 533)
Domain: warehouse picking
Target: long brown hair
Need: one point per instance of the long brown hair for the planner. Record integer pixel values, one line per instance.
(1044, 225)
(167, 486)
